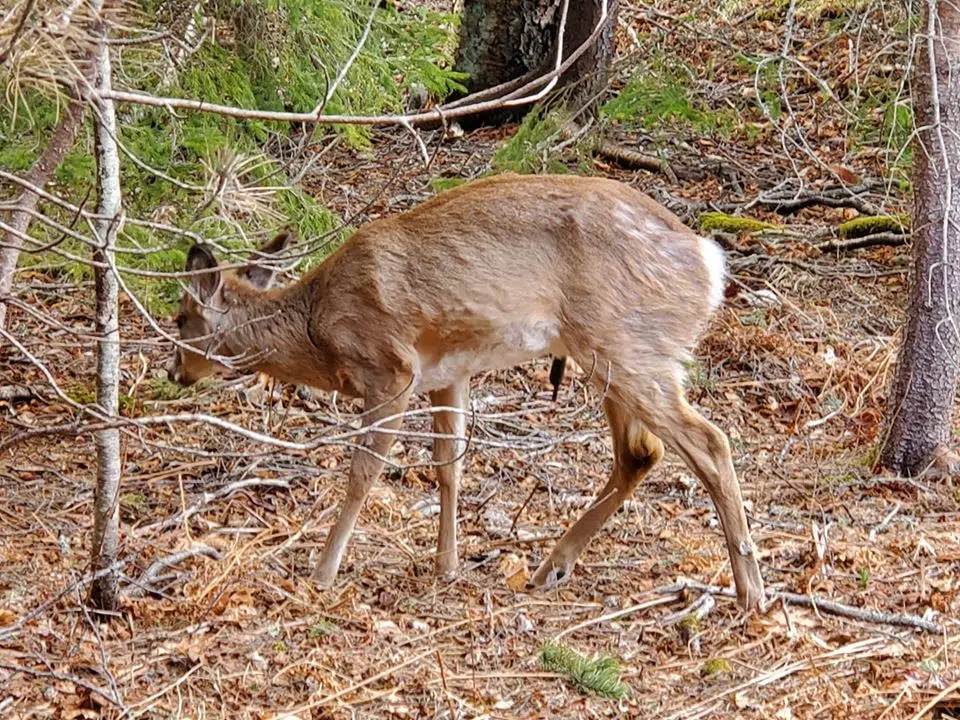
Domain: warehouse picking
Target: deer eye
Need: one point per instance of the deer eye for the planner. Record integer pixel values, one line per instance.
(181, 321)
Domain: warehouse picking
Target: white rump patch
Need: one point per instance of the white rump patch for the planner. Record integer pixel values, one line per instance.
(716, 262)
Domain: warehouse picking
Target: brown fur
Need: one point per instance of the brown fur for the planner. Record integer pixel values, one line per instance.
(492, 273)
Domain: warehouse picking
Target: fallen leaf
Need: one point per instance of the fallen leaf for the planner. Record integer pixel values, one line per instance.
(514, 568)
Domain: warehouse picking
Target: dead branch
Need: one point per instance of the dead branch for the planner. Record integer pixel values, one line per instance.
(828, 606)
(11, 630)
(342, 433)
(630, 158)
(151, 575)
(616, 152)
(16, 393)
(622, 613)
(50, 674)
(323, 700)
(202, 502)
(21, 24)
(787, 201)
(888, 239)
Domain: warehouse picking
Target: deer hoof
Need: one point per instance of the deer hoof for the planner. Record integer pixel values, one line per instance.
(550, 575)
(323, 580)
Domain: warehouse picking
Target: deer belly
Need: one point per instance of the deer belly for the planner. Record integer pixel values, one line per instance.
(509, 346)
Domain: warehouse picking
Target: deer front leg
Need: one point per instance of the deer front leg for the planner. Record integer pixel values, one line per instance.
(365, 467)
(448, 422)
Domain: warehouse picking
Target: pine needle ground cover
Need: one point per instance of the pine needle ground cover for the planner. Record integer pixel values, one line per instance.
(794, 368)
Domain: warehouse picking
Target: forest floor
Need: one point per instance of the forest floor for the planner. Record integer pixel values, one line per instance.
(794, 368)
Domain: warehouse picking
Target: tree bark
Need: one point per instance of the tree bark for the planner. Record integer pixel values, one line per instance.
(59, 144)
(920, 409)
(106, 529)
(501, 40)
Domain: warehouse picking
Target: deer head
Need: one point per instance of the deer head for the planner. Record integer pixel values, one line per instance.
(206, 304)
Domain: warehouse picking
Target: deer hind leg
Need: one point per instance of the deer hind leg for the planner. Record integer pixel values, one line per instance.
(448, 452)
(365, 467)
(706, 451)
(635, 452)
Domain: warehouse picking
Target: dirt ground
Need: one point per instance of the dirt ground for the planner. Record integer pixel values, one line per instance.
(794, 368)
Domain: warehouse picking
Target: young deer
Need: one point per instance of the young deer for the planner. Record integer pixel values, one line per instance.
(489, 275)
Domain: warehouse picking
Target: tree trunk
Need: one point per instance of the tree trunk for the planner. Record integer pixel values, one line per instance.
(501, 40)
(59, 144)
(106, 528)
(920, 410)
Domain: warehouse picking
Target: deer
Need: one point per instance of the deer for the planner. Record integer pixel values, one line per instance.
(489, 275)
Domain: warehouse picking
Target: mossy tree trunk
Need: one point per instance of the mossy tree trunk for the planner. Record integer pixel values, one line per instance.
(502, 40)
(922, 399)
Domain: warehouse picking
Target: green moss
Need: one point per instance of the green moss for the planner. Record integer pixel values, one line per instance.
(16, 157)
(710, 221)
(715, 667)
(134, 500)
(839, 479)
(690, 624)
(756, 317)
(597, 675)
(872, 224)
(442, 184)
(277, 62)
(312, 220)
(77, 170)
(81, 394)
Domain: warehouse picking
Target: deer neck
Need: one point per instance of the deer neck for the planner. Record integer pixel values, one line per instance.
(266, 331)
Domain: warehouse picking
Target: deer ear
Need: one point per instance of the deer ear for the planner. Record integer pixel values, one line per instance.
(203, 285)
(262, 276)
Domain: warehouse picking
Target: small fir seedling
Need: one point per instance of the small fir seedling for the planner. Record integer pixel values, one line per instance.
(597, 675)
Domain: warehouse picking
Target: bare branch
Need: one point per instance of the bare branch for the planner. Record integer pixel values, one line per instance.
(18, 31)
